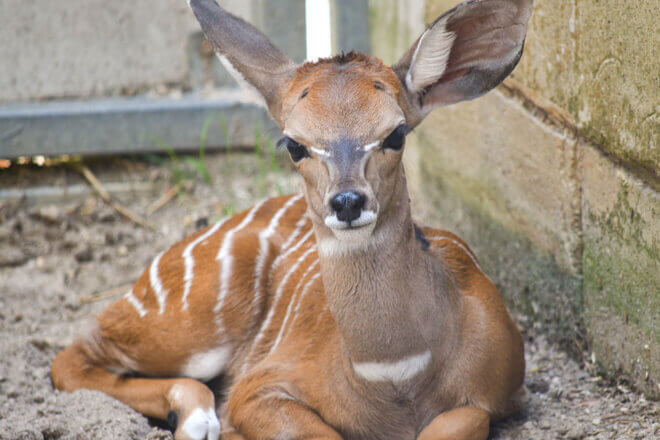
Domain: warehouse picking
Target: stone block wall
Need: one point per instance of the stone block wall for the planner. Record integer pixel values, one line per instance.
(88, 48)
(553, 177)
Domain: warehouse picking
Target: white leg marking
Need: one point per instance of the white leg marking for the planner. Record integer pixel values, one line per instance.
(278, 293)
(208, 364)
(202, 425)
(399, 371)
(137, 305)
(227, 259)
(189, 261)
(289, 309)
(264, 247)
(156, 285)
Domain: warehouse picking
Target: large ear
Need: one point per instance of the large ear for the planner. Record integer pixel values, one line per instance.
(465, 52)
(252, 59)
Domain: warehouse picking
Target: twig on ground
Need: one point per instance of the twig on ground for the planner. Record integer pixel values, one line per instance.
(163, 200)
(105, 195)
(111, 293)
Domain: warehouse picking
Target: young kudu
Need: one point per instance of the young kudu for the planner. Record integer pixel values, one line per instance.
(330, 315)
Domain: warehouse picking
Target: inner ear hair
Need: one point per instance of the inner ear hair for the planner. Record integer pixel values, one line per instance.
(429, 61)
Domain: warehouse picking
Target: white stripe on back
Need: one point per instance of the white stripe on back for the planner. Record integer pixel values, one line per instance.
(137, 305)
(398, 371)
(466, 250)
(280, 335)
(156, 285)
(264, 248)
(189, 261)
(227, 259)
(271, 312)
(278, 295)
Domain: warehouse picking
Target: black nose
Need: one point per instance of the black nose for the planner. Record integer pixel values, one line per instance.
(348, 205)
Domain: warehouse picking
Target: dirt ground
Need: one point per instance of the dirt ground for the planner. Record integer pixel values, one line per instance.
(65, 258)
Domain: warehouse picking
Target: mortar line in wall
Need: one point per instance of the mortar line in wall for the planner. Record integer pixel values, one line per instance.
(549, 114)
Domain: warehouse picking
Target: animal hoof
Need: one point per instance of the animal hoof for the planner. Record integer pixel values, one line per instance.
(201, 424)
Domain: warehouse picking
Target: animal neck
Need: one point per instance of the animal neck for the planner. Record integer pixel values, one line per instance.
(391, 299)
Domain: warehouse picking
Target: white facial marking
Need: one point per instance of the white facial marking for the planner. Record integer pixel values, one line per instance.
(430, 58)
(264, 247)
(370, 146)
(227, 259)
(202, 425)
(156, 285)
(321, 152)
(399, 371)
(365, 218)
(208, 364)
(189, 261)
(137, 305)
(347, 241)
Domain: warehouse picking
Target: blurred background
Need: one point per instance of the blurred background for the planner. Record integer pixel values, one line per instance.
(120, 132)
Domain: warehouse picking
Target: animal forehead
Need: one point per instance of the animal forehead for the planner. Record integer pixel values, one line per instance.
(347, 97)
(352, 62)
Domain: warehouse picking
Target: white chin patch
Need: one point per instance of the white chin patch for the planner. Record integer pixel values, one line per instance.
(358, 232)
(365, 218)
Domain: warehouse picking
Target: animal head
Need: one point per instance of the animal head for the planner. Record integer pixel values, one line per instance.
(345, 118)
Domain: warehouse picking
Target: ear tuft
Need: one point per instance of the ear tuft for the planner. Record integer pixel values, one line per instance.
(429, 61)
(465, 53)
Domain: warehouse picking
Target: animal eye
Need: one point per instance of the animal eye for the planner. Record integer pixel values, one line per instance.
(395, 139)
(296, 151)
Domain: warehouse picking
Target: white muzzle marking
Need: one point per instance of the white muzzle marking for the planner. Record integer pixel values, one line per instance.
(365, 218)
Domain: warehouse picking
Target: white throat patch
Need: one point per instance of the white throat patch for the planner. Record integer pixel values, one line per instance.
(398, 371)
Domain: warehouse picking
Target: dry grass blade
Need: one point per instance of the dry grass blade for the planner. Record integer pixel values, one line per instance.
(111, 293)
(105, 195)
(164, 199)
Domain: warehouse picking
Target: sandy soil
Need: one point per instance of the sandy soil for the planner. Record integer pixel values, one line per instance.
(62, 261)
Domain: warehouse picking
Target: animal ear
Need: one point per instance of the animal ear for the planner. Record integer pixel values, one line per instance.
(465, 52)
(251, 58)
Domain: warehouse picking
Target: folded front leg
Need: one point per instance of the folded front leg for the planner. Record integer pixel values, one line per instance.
(262, 408)
(465, 423)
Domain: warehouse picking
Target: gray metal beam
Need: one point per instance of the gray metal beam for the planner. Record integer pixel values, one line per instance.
(128, 125)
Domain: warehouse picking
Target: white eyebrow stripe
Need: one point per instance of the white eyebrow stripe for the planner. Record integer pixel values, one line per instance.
(320, 152)
(370, 146)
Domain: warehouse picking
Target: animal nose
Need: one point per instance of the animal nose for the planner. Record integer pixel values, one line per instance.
(348, 205)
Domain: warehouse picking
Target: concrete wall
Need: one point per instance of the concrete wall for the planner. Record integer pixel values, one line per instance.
(85, 48)
(553, 177)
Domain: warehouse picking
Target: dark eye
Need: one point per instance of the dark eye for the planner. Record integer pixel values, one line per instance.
(297, 151)
(395, 139)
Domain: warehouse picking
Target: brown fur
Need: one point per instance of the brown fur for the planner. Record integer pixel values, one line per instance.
(292, 313)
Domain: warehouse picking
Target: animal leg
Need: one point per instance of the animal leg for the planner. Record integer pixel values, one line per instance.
(185, 402)
(465, 423)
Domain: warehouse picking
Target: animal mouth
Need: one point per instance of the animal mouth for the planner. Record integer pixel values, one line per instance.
(365, 219)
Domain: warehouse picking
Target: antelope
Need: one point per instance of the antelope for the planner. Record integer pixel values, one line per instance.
(332, 314)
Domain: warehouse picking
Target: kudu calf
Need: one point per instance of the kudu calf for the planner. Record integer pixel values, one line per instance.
(332, 315)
